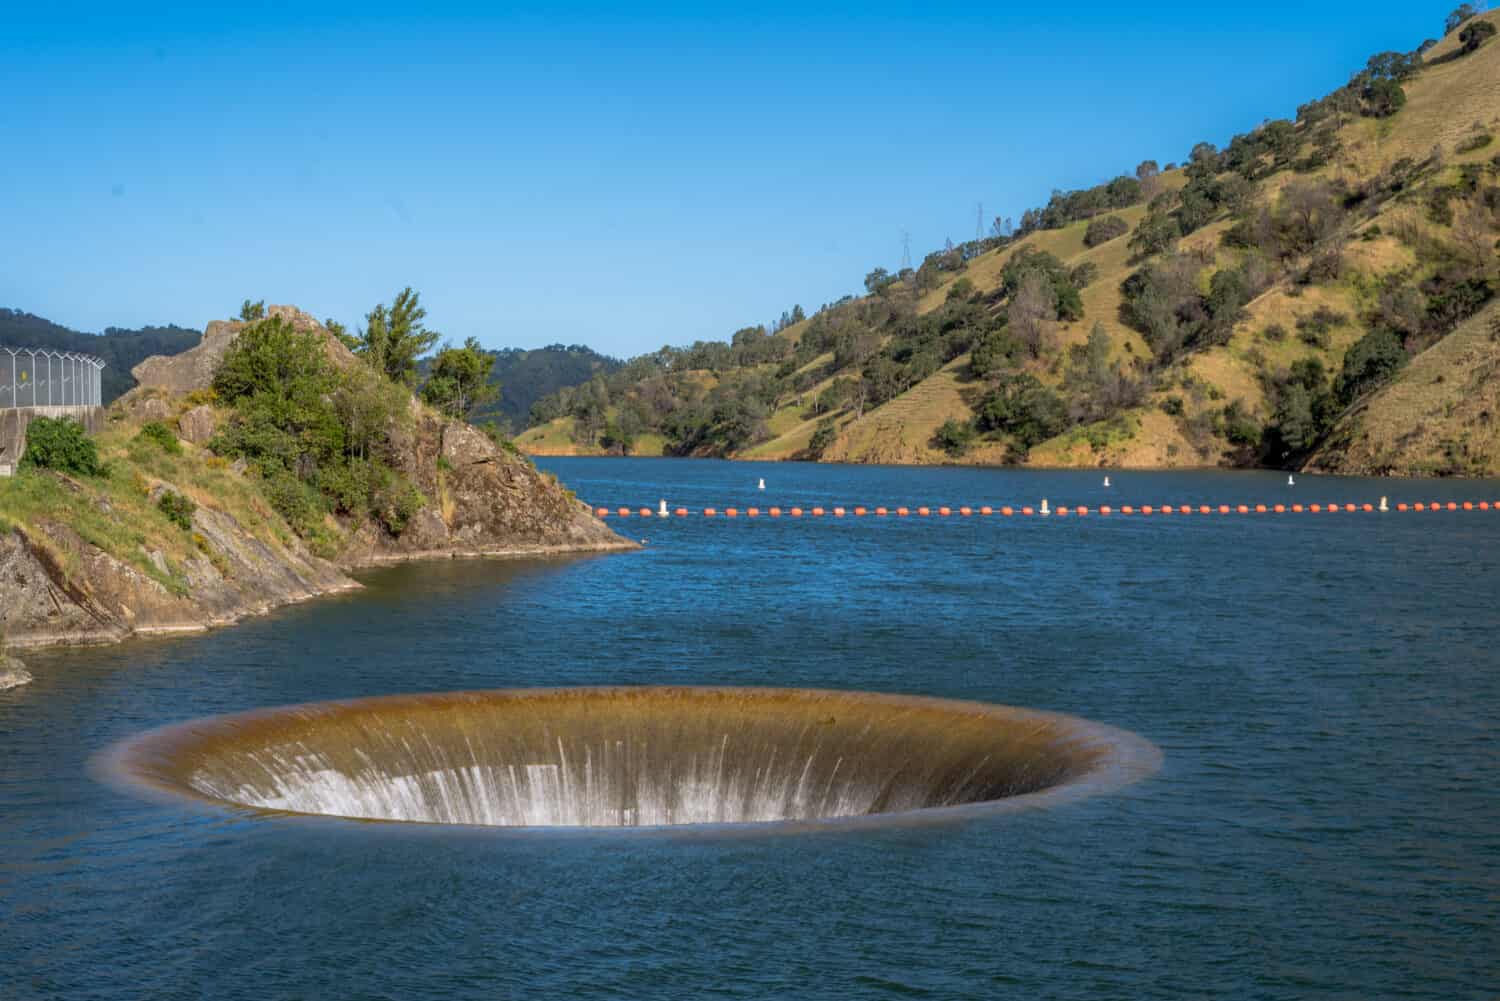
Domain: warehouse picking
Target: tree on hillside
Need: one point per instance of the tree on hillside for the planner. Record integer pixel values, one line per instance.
(1463, 12)
(459, 380)
(340, 331)
(252, 311)
(1032, 311)
(394, 337)
(1475, 35)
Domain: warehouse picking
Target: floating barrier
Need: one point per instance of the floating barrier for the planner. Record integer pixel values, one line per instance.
(1061, 511)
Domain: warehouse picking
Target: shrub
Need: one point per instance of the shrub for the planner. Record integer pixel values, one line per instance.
(1172, 406)
(1274, 332)
(954, 437)
(1475, 35)
(1369, 362)
(1479, 140)
(160, 435)
(1023, 408)
(1313, 327)
(1105, 229)
(178, 509)
(62, 444)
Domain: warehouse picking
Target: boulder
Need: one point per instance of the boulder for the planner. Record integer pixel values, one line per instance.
(198, 424)
(13, 673)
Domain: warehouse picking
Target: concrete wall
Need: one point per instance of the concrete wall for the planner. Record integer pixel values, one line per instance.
(13, 429)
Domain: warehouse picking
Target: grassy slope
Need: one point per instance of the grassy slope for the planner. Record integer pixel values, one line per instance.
(1437, 418)
(117, 514)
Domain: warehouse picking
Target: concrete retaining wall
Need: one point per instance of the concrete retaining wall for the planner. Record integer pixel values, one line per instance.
(13, 429)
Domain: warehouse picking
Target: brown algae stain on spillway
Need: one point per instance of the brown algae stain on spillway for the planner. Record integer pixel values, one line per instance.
(637, 757)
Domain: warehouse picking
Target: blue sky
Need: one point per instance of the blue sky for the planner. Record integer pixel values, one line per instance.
(624, 180)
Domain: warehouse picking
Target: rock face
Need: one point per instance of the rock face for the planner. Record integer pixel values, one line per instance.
(198, 424)
(58, 588)
(13, 673)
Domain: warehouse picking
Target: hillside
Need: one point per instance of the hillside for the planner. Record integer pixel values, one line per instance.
(1240, 309)
(121, 349)
(526, 375)
(253, 470)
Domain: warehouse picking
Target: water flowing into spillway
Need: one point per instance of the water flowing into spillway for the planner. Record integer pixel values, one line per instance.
(631, 757)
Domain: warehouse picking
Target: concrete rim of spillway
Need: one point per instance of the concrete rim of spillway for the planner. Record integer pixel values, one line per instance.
(1080, 757)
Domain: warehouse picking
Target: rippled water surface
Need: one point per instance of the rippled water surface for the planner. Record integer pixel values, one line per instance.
(1325, 690)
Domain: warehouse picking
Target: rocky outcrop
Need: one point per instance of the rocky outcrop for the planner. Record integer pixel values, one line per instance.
(482, 499)
(13, 673)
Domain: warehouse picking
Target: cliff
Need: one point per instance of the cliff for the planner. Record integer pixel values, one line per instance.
(95, 559)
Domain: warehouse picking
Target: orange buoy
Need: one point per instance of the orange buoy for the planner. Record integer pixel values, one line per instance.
(774, 512)
(645, 512)
(859, 512)
(1166, 509)
(1242, 509)
(1280, 509)
(709, 512)
(796, 512)
(1105, 509)
(1419, 506)
(1027, 510)
(1007, 511)
(1224, 508)
(1128, 509)
(1350, 507)
(1401, 507)
(965, 511)
(1061, 512)
(817, 512)
(752, 512)
(924, 512)
(944, 511)
(986, 510)
(624, 512)
(838, 512)
(1484, 505)
(1468, 505)
(1367, 507)
(731, 512)
(881, 512)
(602, 512)
(1146, 509)
(1297, 508)
(902, 512)
(681, 512)
(1205, 509)
(1452, 506)
(1260, 509)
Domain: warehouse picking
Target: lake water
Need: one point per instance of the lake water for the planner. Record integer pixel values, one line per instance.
(1324, 688)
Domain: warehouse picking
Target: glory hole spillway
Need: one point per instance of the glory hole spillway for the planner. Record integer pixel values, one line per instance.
(636, 757)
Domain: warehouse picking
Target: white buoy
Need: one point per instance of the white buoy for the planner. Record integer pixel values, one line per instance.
(661, 512)
(1045, 509)
(1383, 506)
(761, 485)
(1289, 481)
(1106, 481)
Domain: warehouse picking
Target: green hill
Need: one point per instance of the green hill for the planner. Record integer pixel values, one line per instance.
(121, 349)
(1234, 310)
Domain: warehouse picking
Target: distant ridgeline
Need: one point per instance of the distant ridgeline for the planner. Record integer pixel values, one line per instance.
(525, 375)
(1257, 305)
(120, 349)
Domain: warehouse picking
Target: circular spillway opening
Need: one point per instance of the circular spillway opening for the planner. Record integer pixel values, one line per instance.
(636, 757)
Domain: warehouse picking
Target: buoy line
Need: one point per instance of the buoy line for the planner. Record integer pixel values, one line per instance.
(1046, 511)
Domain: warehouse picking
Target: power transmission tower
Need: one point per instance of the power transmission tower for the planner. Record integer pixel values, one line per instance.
(905, 251)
